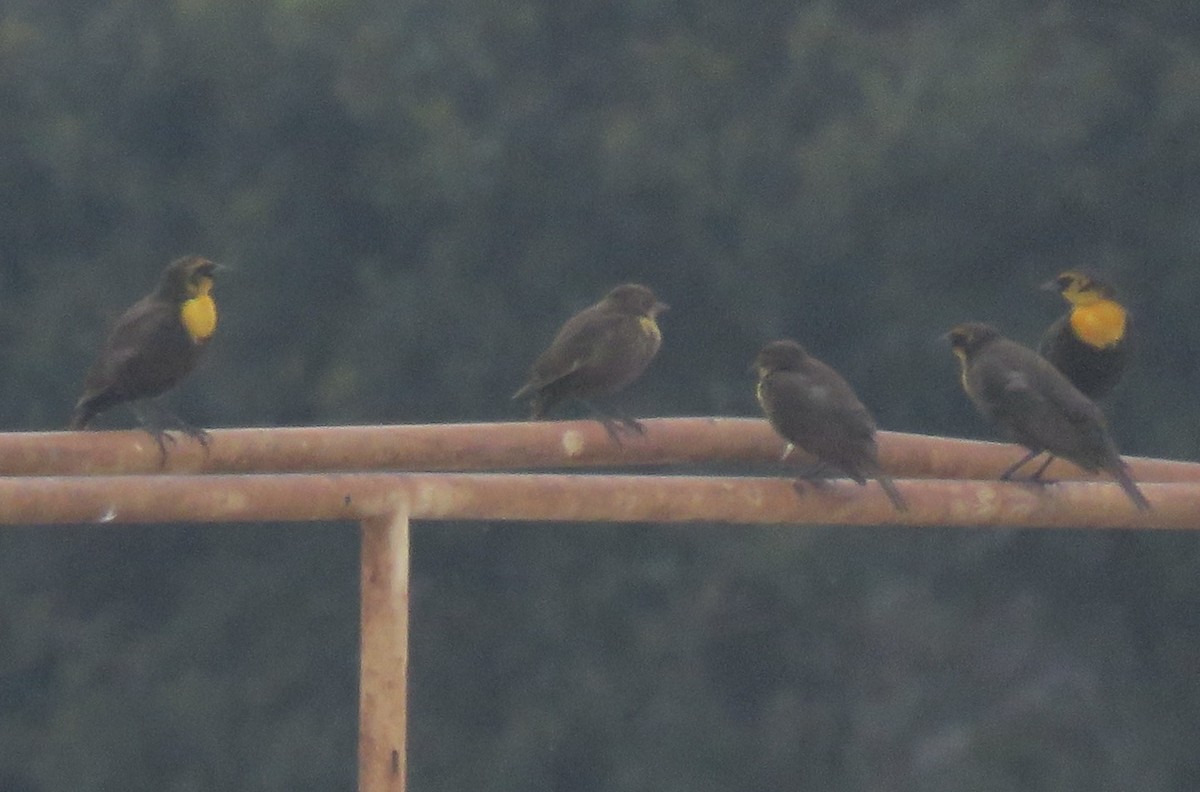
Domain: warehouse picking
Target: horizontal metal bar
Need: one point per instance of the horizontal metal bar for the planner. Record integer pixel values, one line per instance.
(503, 446)
(583, 497)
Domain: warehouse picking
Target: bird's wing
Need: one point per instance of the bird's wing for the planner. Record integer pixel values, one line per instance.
(1042, 415)
(126, 342)
(1010, 395)
(815, 403)
(581, 342)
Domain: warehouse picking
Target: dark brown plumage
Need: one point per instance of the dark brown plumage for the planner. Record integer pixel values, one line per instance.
(1033, 402)
(597, 352)
(151, 348)
(1090, 343)
(812, 407)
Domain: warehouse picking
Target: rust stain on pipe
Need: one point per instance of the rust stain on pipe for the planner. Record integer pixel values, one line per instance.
(584, 497)
(745, 442)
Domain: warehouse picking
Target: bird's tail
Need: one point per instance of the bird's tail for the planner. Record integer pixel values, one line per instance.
(82, 415)
(1120, 471)
(889, 489)
(537, 400)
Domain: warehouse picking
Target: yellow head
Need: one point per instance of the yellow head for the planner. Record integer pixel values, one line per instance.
(1081, 289)
(639, 301)
(189, 281)
(782, 355)
(1097, 318)
(185, 278)
(968, 338)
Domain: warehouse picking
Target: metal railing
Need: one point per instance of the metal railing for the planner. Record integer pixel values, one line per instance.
(334, 473)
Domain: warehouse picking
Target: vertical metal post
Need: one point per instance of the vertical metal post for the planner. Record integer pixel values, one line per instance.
(383, 663)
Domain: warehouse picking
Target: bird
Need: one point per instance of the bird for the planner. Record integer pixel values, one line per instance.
(596, 353)
(811, 406)
(1035, 404)
(1090, 342)
(154, 344)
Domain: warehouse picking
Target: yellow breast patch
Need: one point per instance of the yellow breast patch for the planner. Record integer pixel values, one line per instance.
(962, 366)
(199, 316)
(1100, 324)
(650, 328)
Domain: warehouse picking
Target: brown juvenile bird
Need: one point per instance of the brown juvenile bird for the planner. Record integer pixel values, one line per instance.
(811, 406)
(153, 346)
(597, 352)
(1090, 342)
(1033, 402)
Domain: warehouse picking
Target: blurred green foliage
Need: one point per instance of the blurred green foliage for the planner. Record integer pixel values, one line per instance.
(414, 194)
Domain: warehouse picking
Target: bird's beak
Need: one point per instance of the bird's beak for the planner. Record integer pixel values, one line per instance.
(1050, 285)
(660, 307)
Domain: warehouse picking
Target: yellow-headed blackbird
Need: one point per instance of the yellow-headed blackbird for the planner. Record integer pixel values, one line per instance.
(1089, 343)
(597, 352)
(811, 406)
(153, 345)
(1029, 399)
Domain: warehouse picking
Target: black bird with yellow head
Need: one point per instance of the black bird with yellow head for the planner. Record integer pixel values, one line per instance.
(151, 348)
(1090, 342)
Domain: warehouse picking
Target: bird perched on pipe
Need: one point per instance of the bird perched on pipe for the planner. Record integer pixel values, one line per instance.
(812, 407)
(151, 348)
(596, 353)
(1090, 343)
(1036, 405)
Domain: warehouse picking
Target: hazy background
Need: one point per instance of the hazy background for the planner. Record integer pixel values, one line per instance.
(414, 195)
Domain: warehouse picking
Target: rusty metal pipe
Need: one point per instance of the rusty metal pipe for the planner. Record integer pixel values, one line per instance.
(589, 497)
(503, 446)
(383, 659)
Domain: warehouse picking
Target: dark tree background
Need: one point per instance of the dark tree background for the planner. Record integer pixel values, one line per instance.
(414, 194)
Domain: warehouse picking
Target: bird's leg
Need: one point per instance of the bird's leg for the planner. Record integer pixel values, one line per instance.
(612, 427)
(192, 431)
(815, 471)
(613, 424)
(1012, 469)
(814, 474)
(151, 417)
(156, 419)
(1037, 474)
(628, 421)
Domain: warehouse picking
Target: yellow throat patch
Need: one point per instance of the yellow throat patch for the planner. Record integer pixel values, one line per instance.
(199, 313)
(650, 327)
(962, 369)
(1099, 324)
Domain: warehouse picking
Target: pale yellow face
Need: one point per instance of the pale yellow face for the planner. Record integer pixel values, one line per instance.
(650, 327)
